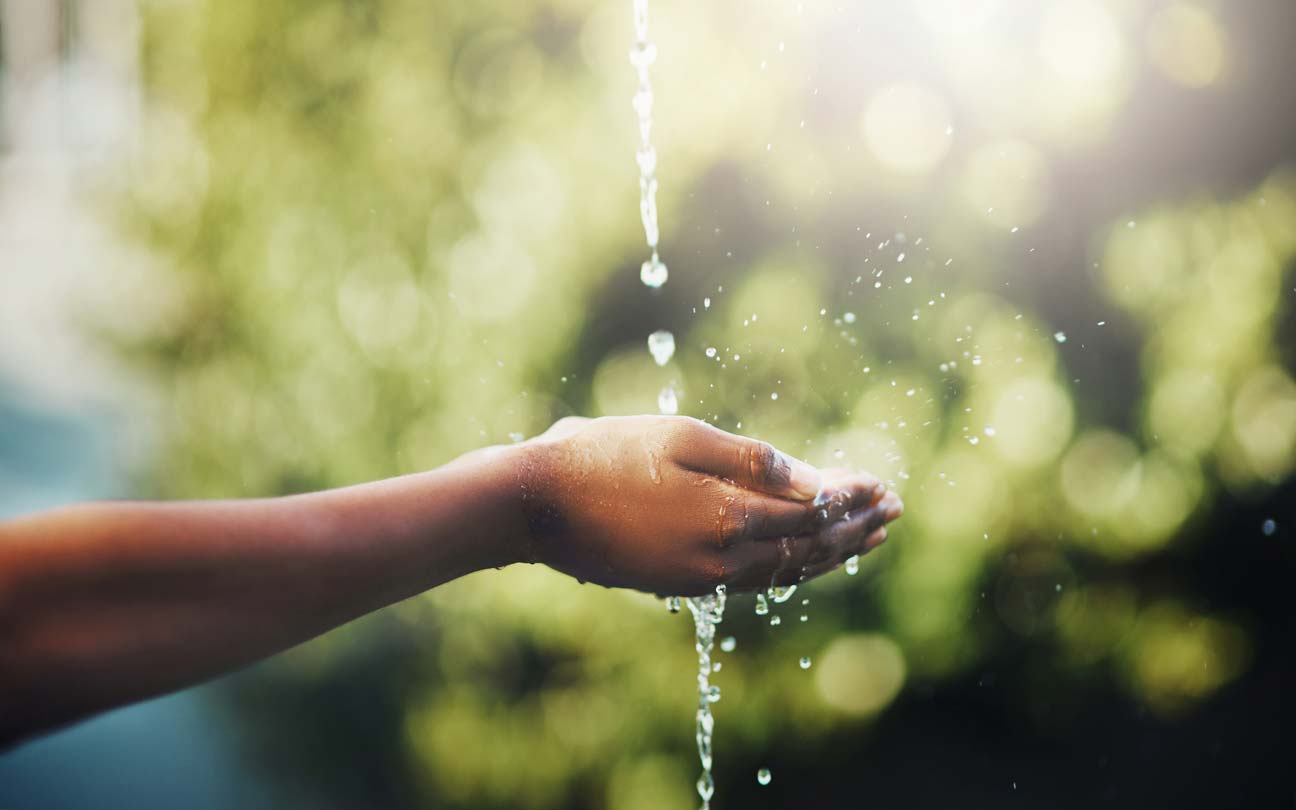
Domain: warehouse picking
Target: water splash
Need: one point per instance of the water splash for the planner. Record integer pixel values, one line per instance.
(781, 594)
(708, 611)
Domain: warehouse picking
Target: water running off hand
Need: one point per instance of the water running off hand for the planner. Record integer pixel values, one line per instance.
(708, 611)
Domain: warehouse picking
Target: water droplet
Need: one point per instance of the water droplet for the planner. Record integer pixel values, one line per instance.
(774, 395)
(762, 607)
(900, 258)
(668, 401)
(673, 604)
(728, 643)
(516, 437)
(1269, 528)
(643, 54)
(713, 694)
(661, 345)
(775, 621)
(781, 594)
(764, 777)
(706, 786)
(706, 303)
(711, 351)
(839, 454)
(852, 565)
(849, 317)
(805, 618)
(653, 273)
(1060, 337)
(805, 662)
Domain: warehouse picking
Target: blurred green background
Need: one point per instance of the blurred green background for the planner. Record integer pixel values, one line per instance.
(1030, 262)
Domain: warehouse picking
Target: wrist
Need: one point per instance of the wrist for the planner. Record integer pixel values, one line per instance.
(510, 480)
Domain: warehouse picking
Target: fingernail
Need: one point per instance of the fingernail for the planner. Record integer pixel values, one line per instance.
(895, 510)
(802, 478)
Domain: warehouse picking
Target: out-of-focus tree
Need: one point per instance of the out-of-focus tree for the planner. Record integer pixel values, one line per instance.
(390, 232)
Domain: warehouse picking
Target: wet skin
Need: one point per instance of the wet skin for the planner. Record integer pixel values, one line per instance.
(673, 505)
(107, 603)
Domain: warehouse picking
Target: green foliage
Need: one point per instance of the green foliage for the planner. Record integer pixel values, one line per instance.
(394, 231)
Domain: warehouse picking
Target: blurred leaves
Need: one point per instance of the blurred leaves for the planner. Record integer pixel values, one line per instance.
(398, 231)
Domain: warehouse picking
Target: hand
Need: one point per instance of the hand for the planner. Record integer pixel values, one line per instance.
(675, 506)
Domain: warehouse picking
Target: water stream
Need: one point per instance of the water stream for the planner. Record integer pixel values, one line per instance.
(708, 611)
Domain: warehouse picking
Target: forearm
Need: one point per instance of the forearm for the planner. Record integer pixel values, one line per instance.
(108, 603)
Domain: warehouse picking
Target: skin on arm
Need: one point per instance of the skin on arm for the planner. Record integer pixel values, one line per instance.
(104, 604)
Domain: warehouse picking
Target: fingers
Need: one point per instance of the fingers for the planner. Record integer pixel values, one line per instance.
(790, 560)
(845, 492)
(765, 518)
(747, 462)
(864, 546)
(761, 563)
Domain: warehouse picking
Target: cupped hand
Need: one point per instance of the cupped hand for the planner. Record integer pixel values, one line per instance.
(673, 505)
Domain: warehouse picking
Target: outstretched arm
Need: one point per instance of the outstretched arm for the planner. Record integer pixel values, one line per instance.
(104, 604)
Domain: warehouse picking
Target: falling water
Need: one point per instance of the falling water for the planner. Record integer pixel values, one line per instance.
(653, 272)
(708, 611)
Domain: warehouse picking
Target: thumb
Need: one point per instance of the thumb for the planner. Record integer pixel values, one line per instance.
(750, 463)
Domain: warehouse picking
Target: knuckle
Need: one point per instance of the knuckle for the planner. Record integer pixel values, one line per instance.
(762, 462)
(733, 525)
(673, 430)
(714, 572)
